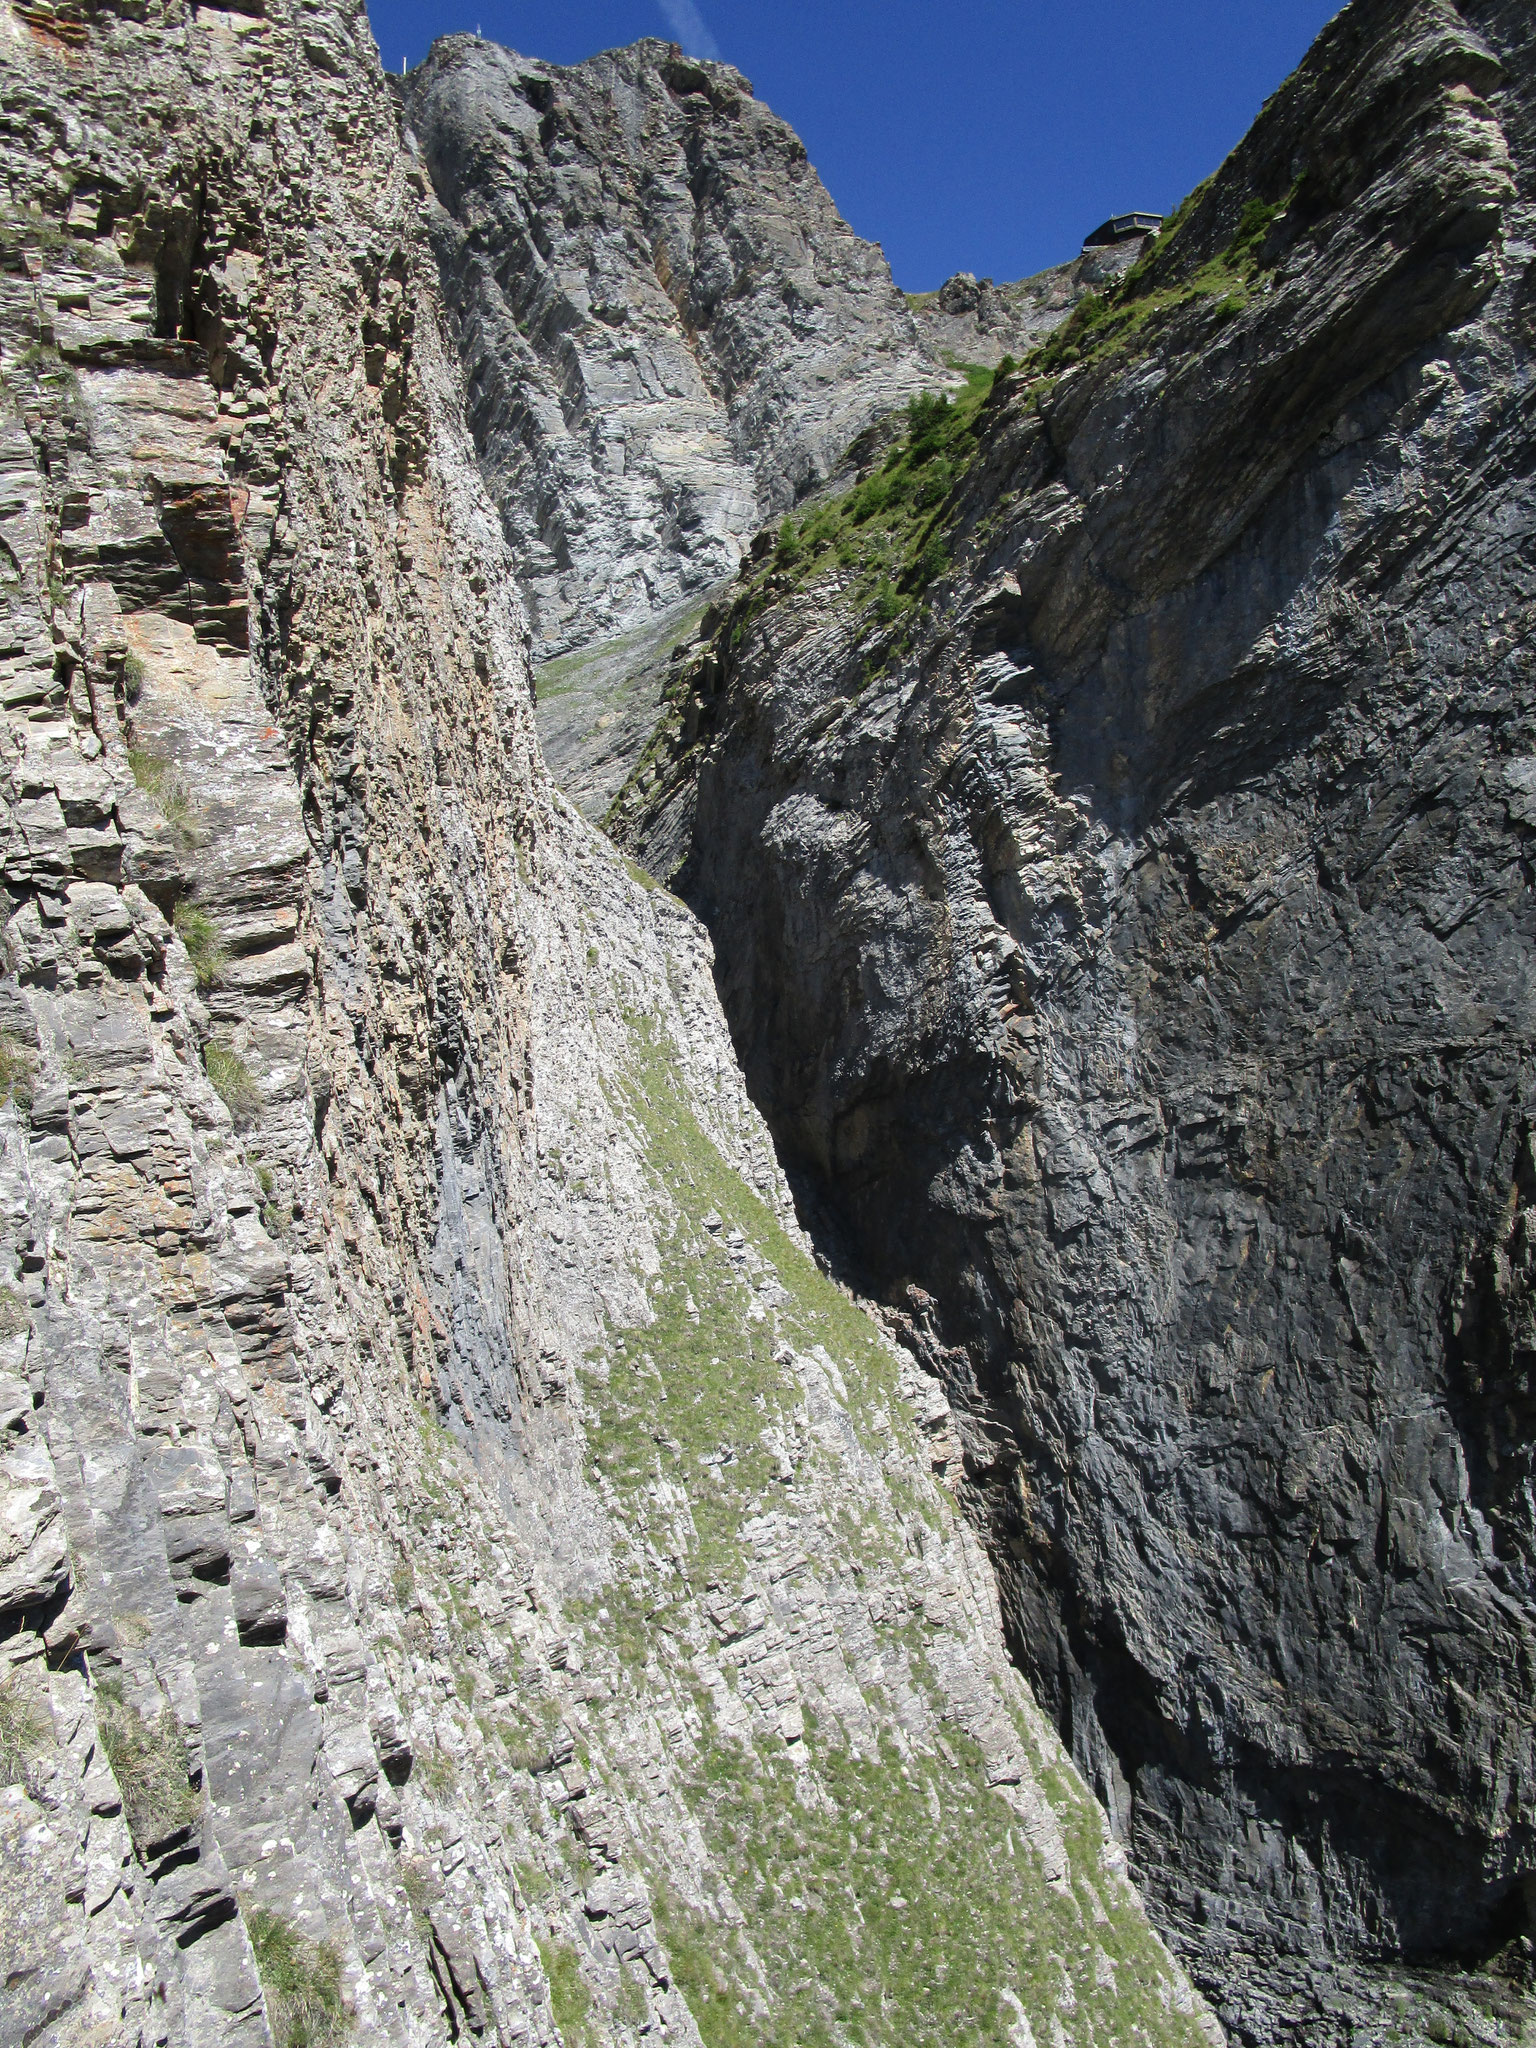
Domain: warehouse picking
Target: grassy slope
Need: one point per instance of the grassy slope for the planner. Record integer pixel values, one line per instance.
(890, 1896)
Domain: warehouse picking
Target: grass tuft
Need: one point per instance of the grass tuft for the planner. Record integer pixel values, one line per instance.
(569, 1999)
(150, 1763)
(204, 943)
(233, 1082)
(22, 1733)
(16, 1068)
(166, 787)
(301, 1981)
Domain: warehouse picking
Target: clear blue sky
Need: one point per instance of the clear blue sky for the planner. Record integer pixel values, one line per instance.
(983, 135)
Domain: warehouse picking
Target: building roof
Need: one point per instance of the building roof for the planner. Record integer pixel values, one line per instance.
(1120, 227)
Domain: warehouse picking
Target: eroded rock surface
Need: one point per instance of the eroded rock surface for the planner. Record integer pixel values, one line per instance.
(973, 320)
(464, 1570)
(669, 331)
(1119, 864)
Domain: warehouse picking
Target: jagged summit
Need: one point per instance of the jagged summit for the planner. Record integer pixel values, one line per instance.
(669, 332)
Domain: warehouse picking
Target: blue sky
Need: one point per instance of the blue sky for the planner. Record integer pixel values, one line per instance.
(982, 135)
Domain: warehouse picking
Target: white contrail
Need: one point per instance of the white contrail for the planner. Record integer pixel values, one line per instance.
(690, 27)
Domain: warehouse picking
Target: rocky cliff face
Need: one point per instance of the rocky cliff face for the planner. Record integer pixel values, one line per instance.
(464, 1569)
(669, 331)
(973, 320)
(1113, 818)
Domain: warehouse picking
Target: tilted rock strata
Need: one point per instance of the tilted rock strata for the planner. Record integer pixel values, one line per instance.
(352, 1085)
(1130, 942)
(598, 704)
(973, 320)
(668, 330)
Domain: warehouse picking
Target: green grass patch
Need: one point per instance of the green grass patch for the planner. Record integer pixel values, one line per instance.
(705, 1367)
(1126, 318)
(233, 1082)
(23, 1731)
(300, 1980)
(888, 528)
(570, 2000)
(153, 1771)
(167, 789)
(17, 1066)
(438, 1772)
(897, 1908)
(204, 943)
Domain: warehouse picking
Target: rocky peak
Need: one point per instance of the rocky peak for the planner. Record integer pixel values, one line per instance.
(669, 332)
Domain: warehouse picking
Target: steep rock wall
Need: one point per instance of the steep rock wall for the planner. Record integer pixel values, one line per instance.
(669, 332)
(464, 1570)
(1118, 859)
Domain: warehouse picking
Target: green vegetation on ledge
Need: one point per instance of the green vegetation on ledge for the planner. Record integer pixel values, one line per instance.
(150, 1763)
(301, 1981)
(1124, 319)
(888, 529)
(891, 1894)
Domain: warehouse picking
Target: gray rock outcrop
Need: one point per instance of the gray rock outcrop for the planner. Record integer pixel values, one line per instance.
(465, 1571)
(669, 332)
(973, 320)
(1114, 822)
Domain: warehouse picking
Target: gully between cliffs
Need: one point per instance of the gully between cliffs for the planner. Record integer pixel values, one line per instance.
(1123, 912)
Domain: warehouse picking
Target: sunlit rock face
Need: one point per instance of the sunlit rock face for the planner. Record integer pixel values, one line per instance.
(669, 332)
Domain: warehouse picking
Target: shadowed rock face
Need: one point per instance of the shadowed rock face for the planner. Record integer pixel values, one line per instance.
(1131, 944)
(669, 331)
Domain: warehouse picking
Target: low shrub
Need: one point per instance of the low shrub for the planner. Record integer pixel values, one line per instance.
(301, 1981)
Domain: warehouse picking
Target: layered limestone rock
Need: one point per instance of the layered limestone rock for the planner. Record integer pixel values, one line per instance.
(1114, 820)
(669, 332)
(973, 320)
(464, 1569)
(669, 336)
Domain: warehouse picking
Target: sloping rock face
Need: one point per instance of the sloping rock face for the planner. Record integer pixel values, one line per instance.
(668, 330)
(598, 706)
(973, 320)
(1124, 916)
(464, 1570)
